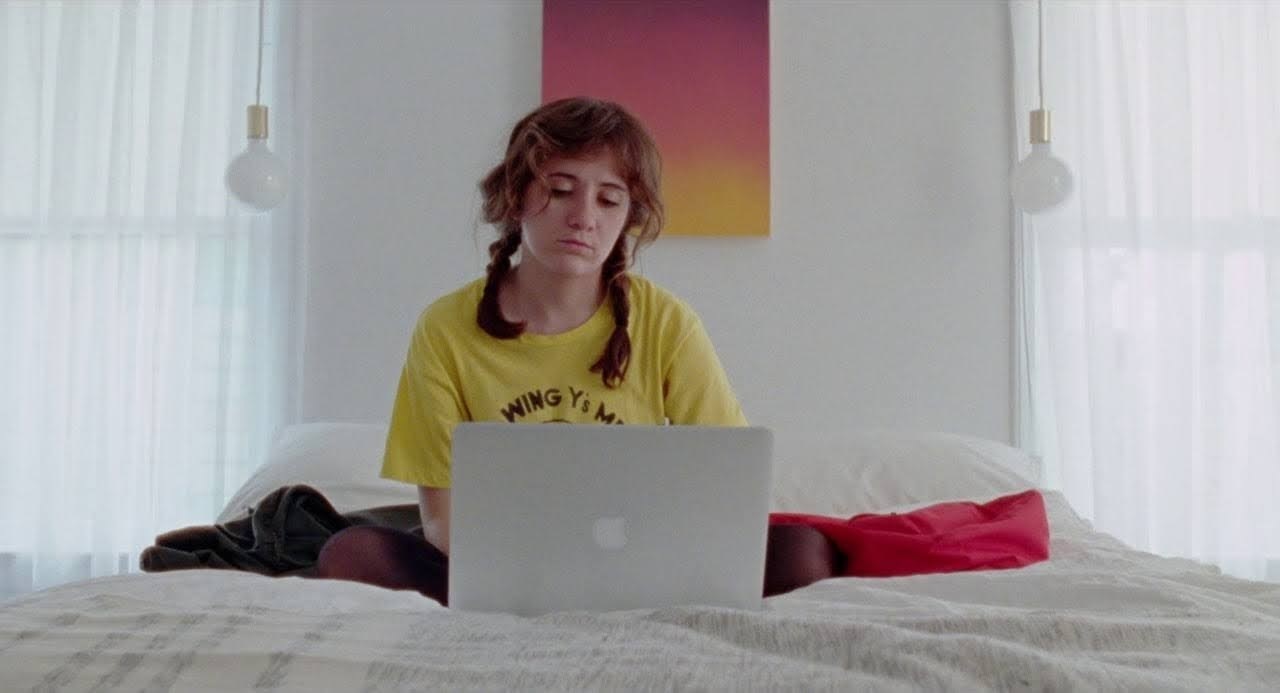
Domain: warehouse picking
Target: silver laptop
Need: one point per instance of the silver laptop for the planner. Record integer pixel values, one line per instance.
(592, 517)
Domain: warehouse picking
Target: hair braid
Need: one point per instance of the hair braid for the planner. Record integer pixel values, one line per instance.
(617, 352)
(489, 317)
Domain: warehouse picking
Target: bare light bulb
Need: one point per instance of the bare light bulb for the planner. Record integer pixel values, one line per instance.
(1041, 181)
(257, 177)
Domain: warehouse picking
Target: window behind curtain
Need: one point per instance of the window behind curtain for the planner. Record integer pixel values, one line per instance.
(146, 320)
(1152, 317)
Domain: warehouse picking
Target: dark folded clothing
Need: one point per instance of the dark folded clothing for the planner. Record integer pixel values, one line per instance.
(282, 535)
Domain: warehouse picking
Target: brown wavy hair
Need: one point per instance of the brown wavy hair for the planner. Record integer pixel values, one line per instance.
(574, 128)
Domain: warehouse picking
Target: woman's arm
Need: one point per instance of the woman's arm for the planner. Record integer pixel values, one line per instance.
(696, 390)
(433, 507)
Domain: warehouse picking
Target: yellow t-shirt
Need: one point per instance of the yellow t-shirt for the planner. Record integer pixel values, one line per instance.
(456, 372)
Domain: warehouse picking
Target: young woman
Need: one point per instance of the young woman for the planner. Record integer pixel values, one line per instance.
(564, 335)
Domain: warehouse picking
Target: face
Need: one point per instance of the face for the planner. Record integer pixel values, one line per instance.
(571, 226)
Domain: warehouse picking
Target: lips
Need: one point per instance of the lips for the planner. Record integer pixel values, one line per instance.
(573, 244)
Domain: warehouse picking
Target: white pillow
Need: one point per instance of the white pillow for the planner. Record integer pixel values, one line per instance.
(341, 460)
(851, 472)
(840, 474)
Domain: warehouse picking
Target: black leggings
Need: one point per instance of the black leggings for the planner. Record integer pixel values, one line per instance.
(387, 558)
(797, 555)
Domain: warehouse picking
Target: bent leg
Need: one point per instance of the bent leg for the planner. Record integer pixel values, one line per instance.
(387, 558)
(798, 555)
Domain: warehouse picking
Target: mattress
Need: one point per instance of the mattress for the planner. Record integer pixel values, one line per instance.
(1097, 615)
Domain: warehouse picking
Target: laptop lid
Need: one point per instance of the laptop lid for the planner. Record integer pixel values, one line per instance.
(592, 517)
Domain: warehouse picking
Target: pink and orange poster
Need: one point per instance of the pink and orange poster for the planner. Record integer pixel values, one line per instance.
(696, 72)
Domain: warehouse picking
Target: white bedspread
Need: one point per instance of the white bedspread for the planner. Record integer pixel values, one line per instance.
(1096, 616)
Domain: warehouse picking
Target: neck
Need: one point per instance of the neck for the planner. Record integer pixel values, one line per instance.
(551, 303)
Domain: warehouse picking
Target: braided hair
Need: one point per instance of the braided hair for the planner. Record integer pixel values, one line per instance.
(568, 128)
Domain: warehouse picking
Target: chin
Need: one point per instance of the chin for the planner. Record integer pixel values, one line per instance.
(571, 265)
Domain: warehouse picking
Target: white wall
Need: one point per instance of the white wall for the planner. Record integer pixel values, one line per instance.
(881, 300)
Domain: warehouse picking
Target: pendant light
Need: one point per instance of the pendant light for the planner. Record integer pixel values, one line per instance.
(1041, 181)
(257, 177)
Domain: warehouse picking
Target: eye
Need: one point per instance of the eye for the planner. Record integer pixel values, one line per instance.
(560, 192)
(613, 199)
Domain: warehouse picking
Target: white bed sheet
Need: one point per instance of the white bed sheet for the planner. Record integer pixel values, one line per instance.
(1095, 616)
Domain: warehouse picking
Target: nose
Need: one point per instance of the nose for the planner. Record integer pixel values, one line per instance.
(581, 214)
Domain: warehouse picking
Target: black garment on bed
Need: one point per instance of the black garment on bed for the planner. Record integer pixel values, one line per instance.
(281, 535)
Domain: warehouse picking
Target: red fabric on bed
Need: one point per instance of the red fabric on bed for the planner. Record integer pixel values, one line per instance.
(1008, 532)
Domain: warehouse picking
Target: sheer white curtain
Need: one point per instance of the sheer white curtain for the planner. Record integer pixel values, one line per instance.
(1151, 300)
(146, 321)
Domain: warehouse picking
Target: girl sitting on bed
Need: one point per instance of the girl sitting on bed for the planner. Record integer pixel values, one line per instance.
(564, 335)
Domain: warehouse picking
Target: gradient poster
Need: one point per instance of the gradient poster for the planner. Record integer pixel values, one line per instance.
(696, 72)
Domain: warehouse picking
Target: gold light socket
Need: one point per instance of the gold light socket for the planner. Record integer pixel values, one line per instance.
(257, 115)
(1039, 126)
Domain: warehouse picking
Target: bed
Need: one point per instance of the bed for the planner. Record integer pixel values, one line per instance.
(1096, 615)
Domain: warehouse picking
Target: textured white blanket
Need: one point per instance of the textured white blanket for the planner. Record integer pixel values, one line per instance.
(1096, 616)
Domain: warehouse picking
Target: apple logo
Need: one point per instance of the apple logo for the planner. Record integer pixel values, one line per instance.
(610, 533)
